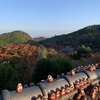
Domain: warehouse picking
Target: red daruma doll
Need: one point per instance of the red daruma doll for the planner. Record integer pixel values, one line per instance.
(50, 78)
(19, 88)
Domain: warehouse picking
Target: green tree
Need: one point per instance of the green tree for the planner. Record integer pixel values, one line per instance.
(42, 69)
(82, 60)
(84, 52)
(8, 77)
(43, 51)
(54, 67)
(59, 66)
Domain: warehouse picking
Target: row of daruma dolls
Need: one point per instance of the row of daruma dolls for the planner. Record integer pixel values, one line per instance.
(19, 87)
(68, 89)
(81, 83)
(65, 91)
(77, 84)
(53, 95)
(81, 95)
(93, 91)
(90, 68)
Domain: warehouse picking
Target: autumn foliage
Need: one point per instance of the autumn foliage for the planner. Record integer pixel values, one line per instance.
(23, 58)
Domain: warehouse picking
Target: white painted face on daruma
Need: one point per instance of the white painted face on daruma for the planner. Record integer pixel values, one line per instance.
(57, 94)
(72, 73)
(50, 78)
(19, 88)
(77, 85)
(62, 92)
(82, 92)
(67, 90)
(52, 96)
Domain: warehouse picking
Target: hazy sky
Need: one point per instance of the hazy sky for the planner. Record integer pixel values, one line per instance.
(48, 17)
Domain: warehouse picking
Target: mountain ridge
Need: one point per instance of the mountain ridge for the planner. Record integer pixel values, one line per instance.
(15, 37)
(88, 36)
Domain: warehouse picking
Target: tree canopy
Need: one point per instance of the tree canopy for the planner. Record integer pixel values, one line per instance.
(84, 51)
(8, 77)
(54, 67)
(15, 37)
(89, 36)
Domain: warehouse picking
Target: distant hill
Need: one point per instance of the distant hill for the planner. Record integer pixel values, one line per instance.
(15, 37)
(40, 38)
(89, 36)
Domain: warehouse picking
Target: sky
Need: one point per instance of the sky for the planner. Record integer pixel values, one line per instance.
(48, 18)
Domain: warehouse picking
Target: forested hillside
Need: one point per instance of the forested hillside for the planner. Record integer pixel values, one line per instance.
(15, 37)
(88, 36)
(40, 38)
(30, 63)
